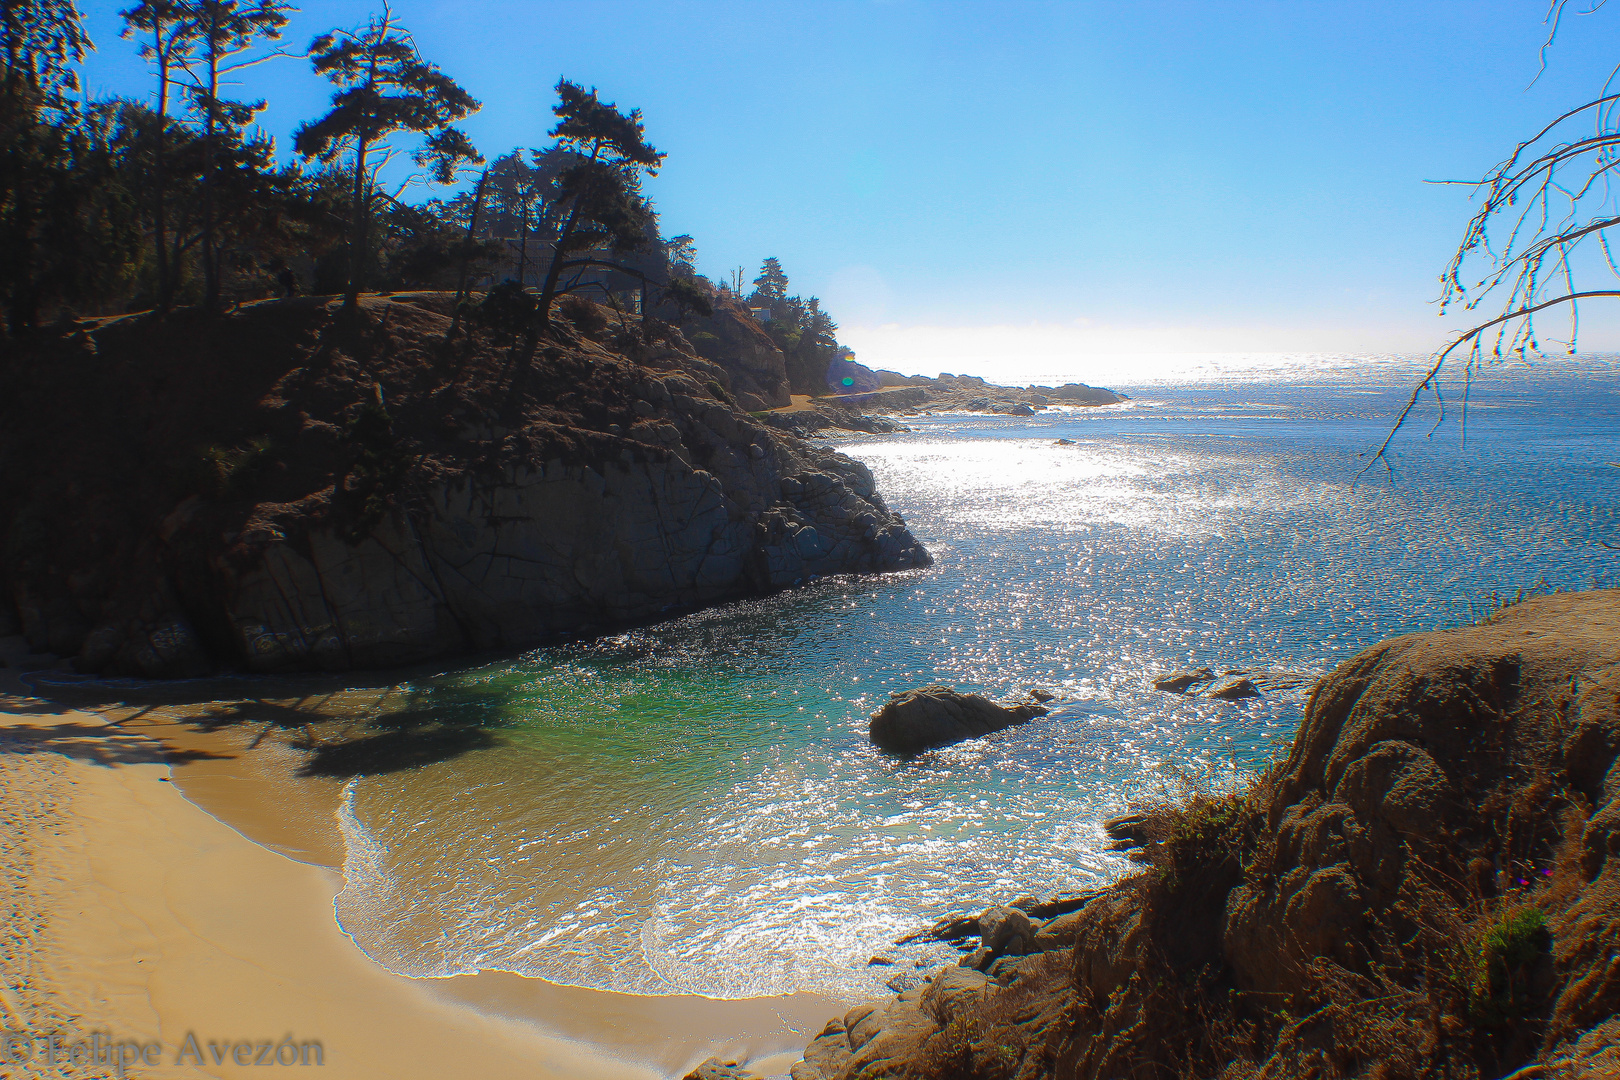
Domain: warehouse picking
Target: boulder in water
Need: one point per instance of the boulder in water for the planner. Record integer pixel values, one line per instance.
(1179, 682)
(937, 716)
(1233, 688)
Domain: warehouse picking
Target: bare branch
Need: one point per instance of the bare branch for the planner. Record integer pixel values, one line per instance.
(1470, 336)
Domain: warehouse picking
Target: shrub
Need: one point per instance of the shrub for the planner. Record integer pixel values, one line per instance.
(720, 392)
(380, 465)
(1500, 989)
(1207, 836)
(508, 307)
(705, 343)
(231, 472)
(587, 317)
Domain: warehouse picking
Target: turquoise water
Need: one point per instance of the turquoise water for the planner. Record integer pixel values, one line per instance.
(694, 807)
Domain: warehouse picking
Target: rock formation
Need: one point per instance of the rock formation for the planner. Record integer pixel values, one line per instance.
(916, 720)
(970, 393)
(1233, 684)
(283, 489)
(1429, 885)
(732, 339)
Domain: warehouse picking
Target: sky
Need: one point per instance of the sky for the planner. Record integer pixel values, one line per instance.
(1019, 190)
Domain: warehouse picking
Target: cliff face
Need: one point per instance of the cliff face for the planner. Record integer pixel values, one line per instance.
(733, 339)
(1429, 885)
(285, 489)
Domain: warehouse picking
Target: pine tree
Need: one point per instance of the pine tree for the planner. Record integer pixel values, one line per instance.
(770, 288)
(167, 41)
(54, 187)
(226, 34)
(598, 200)
(386, 88)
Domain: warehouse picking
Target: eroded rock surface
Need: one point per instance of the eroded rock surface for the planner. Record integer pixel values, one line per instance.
(349, 494)
(1350, 916)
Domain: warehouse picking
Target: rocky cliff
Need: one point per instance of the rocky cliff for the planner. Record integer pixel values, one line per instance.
(734, 340)
(1428, 886)
(288, 488)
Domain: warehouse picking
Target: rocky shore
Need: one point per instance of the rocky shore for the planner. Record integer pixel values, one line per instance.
(289, 488)
(970, 393)
(884, 395)
(1428, 885)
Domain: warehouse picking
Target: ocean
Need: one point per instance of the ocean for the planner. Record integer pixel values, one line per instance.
(693, 806)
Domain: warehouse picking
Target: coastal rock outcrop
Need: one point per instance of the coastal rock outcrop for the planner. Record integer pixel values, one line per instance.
(733, 339)
(1179, 682)
(915, 720)
(344, 493)
(970, 393)
(715, 1069)
(1428, 885)
(1233, 684)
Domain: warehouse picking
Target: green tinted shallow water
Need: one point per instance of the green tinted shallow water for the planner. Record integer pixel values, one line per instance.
(694, 806)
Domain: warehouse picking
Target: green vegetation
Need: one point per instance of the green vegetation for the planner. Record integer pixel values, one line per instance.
(379, 467)
(805, 334)
(1499, 991)
(231, 472)
(598, 199)
(114, 205)
(1209, 834)
(386, 87)
(1486, 611)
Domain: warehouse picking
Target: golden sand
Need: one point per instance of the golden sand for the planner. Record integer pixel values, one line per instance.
(138, 918)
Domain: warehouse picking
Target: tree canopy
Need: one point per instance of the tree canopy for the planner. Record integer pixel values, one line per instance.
(597, 201)
(386, 87)
(181, 199)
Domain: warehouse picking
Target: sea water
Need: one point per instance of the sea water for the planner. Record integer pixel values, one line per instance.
(694, 806)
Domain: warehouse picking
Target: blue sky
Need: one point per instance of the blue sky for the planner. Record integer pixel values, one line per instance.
(1012, 188)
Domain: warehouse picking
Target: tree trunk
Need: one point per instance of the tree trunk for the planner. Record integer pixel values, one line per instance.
(523, 245)
(357, 242)
(548, 290)
(211, 176)
(461, 283)
(159, 222)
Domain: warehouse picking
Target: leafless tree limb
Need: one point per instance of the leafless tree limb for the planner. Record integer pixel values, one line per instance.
(1555, 193)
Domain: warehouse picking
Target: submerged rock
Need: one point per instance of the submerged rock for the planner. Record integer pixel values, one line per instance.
(1232, 684)
(932, 716)
(1233, 688)
(1179, 682)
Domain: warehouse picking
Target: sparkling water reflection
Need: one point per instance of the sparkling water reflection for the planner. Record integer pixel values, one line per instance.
(694, 806)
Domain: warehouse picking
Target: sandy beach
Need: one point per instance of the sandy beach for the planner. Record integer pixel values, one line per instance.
(147, 932)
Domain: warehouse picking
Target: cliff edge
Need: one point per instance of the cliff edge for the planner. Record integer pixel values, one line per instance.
(1429, 885)
(288, 487)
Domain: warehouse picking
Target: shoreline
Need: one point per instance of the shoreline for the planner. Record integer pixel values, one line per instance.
(180, 881)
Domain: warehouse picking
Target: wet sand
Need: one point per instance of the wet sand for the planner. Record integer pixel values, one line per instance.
(173, 880)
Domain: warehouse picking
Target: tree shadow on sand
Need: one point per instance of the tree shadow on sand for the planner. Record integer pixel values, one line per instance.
(344, 730)
(410, 737)
(97, 744)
